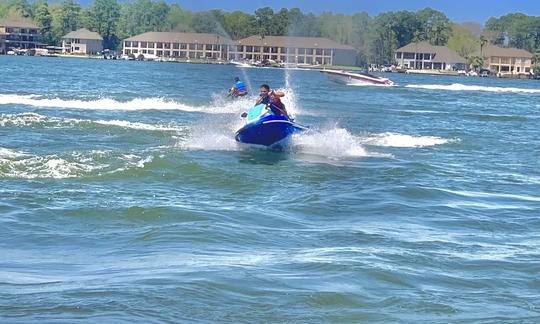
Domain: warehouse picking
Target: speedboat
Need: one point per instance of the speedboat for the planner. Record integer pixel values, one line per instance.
(345, 77)
(266, 129)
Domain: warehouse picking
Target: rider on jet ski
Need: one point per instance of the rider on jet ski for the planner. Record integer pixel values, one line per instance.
(271, 99)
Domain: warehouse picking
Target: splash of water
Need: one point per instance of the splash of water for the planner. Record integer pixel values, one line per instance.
(111, 104)
(33, 119)
(401, 140)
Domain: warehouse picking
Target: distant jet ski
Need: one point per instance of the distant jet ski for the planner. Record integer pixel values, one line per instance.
(266, 129)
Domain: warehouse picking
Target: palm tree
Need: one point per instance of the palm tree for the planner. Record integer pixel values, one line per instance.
(476, 62)
(535, 61)
(483, 42)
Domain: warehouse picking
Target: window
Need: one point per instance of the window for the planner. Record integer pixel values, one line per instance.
(302, 51)
(239, 48)
(150, 45)
(127, 44)
(144, 44)
(144, 51)
(274, 49)
(249, 48)
(192, 47)
(167, 45)
(200, 47)
(183, 54)
(408, 56)
(176, 46)
(175, 53)
(327, 52)
(159, 45)
(266, 49)
(159, 53)
(134, 44)
(150, 51)
(318, 51)
(256, 49)
(300, 59)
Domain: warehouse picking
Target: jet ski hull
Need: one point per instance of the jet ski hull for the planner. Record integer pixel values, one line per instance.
(265, 129)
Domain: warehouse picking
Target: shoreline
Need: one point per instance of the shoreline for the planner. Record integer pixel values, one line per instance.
(313, 68)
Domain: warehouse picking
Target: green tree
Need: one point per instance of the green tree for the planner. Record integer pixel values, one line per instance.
(483, 42)
(476, 62)
(263, 19)
(382, 39)
(104, 15)
(43, 19)
(239, 25)
(280, 23)
(462, 41)
(65, 18)
(204, 22)
(435, 26)
(179, 19)
(23, 8)
(535, 60)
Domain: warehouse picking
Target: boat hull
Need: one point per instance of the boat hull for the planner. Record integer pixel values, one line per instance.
(356, 78)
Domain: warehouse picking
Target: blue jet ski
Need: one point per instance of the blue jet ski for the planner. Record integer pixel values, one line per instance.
(264, 128)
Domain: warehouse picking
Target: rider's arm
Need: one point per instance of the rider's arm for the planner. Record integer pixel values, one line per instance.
(277, 94)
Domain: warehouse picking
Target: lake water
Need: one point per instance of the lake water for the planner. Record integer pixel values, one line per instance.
(124, 197)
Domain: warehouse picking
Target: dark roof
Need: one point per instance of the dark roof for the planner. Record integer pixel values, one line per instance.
(442, 53)
(290, 41)
(83, 33)
(492, 50)
(18, 22)
(172, 37)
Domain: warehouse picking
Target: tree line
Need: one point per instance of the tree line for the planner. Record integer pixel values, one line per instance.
(375, 38)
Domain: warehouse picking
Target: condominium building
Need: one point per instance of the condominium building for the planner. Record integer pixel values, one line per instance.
(293, 50)
(177, 45)
(18, 34)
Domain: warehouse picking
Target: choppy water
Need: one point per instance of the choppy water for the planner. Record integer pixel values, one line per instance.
(124, 197)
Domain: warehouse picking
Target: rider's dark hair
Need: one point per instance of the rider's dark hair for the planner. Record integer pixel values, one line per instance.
(266, 86)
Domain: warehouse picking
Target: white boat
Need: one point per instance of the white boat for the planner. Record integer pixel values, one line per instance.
(345, 77)
(239, 64)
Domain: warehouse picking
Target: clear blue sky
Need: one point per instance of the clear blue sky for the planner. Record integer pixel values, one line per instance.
(456, 10)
